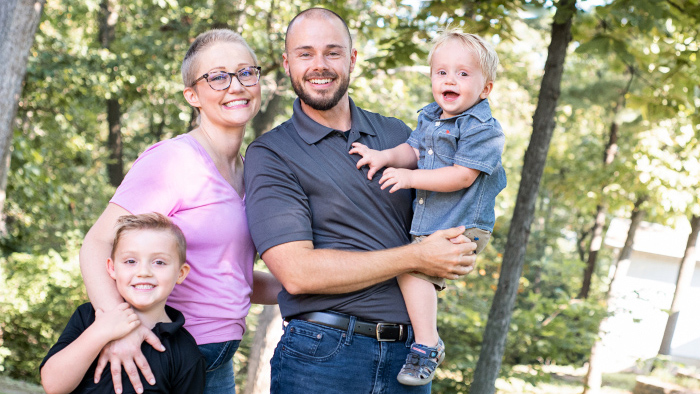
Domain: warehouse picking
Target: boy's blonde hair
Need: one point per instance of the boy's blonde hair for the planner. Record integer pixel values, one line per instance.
(488, 58)
(150, 221)
(204, 41)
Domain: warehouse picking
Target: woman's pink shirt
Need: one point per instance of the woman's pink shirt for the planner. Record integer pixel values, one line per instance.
(177, 178)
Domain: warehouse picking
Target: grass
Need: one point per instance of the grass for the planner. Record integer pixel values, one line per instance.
(564, 380)
(11, 386)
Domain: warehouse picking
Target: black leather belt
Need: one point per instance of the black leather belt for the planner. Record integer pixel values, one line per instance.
(382, 332)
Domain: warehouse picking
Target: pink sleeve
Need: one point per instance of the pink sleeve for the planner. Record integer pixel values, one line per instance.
(156, 181)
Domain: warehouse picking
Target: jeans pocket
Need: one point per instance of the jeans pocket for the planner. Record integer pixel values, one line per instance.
(311, 341)
(217, 354)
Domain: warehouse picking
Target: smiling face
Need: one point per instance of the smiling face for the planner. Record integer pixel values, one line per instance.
(230, 108)
(319, 59)
(146, 267)
(457, 79)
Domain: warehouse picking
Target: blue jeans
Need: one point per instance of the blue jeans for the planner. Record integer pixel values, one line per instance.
(312, 358)
(219, 356)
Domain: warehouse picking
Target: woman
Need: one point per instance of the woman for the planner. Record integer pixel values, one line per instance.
(197, 180)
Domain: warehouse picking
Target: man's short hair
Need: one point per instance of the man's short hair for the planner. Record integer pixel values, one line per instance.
(317, 12)
(150, 221)
(488, 58)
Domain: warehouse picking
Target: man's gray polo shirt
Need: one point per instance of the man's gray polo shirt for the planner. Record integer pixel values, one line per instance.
(301, 184)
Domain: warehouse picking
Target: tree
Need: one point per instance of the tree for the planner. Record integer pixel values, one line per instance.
(18, 22)
(685, 275)
(109, 15)
(492, 348)
(267, 335)
(594, 375)
(609, 154)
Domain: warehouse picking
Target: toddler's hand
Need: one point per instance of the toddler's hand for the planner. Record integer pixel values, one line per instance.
(399, 177)
(117, 322)
(370, 157)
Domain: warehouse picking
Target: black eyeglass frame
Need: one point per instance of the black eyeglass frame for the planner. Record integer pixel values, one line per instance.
(206, 76)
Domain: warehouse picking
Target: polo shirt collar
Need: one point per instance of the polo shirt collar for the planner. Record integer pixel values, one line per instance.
(178, 320)
(312, 132)
(480, 110)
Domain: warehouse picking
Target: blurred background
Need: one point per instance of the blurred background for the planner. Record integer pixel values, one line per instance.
(593, 254)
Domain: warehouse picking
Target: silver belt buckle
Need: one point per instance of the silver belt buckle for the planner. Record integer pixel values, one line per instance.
(380, 327)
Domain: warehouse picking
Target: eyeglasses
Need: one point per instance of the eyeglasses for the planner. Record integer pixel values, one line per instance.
(221, 80)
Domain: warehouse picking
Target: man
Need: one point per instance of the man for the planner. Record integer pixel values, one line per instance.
(333, 238)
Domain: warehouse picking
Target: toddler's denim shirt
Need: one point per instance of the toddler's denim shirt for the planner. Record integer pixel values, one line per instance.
(472, 139)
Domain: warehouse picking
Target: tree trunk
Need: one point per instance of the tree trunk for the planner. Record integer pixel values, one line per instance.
(594, 376)
(596, 242)
(609, 155)
(264, 121)
(19, 20)
(115, 165)
(267, 334)
(489, 364)
(685, 276)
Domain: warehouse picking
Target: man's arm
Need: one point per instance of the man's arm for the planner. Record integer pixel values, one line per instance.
(64, 371)
(305, 270)
(103, 294)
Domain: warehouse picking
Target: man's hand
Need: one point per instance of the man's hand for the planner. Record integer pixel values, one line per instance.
(374, 159)
(447, 254)
(126, 352)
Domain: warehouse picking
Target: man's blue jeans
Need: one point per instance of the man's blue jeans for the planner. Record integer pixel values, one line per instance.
(315, 359)
(219, 356)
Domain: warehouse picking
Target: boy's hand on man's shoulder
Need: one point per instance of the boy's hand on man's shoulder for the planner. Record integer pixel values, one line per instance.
(117, 322)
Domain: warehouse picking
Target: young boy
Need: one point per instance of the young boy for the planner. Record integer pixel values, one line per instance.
(148, 259)
(457, 149)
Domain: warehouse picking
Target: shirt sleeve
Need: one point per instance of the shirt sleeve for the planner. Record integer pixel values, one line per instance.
(277, 208)
(414, 140)
(78, 323)
(157, 181)
(480, 147)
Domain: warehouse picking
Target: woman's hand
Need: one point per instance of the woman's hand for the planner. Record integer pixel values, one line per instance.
(126, 352)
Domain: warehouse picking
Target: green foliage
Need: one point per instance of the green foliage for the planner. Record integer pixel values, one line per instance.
(57, 185)
(39, 294)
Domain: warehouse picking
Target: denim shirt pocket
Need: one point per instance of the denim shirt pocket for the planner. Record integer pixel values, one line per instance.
(446, 146)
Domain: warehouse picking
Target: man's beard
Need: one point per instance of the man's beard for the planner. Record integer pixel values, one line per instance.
(325, 101)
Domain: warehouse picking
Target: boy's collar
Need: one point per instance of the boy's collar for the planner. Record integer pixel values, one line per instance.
(480, 110)
(177, 321)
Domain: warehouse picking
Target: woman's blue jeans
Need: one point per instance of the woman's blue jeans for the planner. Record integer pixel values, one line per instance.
(219, 356)
(311, 358)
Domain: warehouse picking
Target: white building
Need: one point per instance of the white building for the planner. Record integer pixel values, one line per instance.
(644, 296)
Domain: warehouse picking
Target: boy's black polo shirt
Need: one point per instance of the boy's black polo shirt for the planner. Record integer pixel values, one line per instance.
(180, 369)
(301, 184)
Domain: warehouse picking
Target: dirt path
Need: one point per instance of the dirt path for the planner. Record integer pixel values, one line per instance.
(10, 386)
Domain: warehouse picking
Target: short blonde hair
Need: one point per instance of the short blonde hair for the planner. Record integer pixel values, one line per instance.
(150, 221)
(488, 58)
(204, 41)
